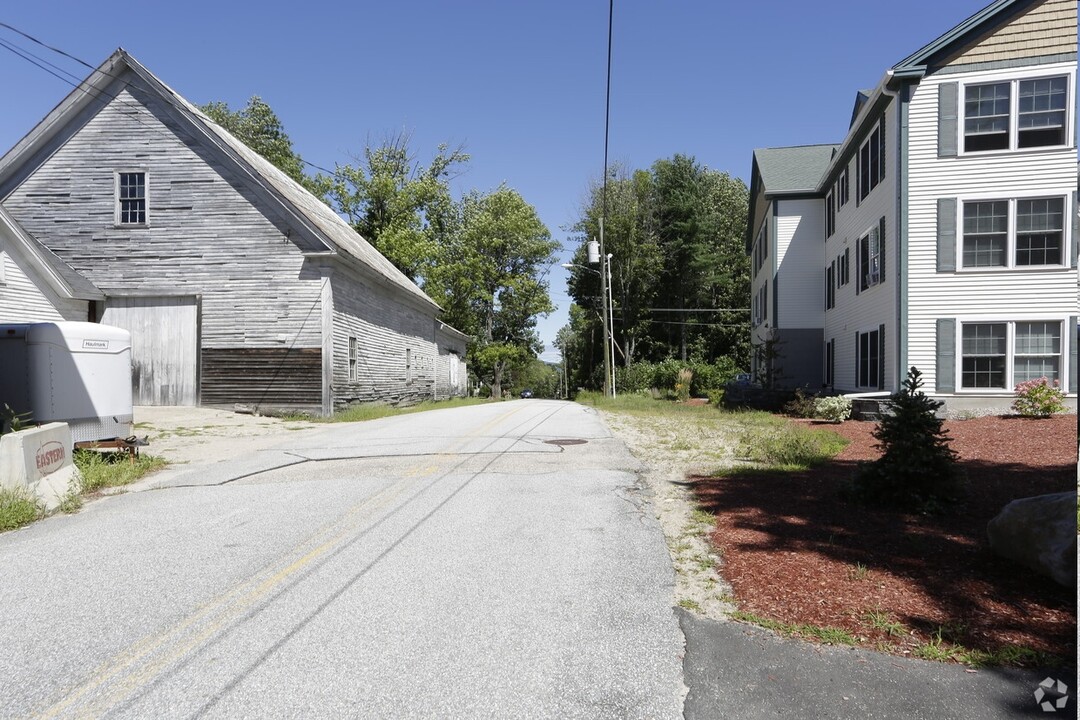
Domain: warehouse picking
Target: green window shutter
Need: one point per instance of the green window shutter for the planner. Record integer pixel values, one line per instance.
(947, 119)
(1073, 336)
(881, 248)
(946, 356)
(881, 357)
(946, 234)
(1075, 229)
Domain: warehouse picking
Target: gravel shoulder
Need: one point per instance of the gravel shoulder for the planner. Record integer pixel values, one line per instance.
(670, 449)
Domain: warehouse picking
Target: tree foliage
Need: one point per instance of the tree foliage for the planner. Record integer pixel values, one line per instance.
(917, 469)
(680, 275)
(258, 126)
(402, 208)
(491, 279)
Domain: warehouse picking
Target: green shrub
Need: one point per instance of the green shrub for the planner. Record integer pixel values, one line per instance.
(639, 377)
(802, 405)
(917, 469)
(834, 409)
(716, 396)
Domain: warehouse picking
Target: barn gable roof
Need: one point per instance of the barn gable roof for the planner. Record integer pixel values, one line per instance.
(335, 237)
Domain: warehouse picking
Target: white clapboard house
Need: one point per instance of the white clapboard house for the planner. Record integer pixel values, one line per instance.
(941, 232)
(128, 206)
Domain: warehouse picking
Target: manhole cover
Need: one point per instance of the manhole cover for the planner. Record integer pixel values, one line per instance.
(566, 441)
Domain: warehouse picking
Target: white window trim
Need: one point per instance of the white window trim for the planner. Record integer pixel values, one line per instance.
(116, 197)
(3, 266)
(1010, 350)
(1010, 264)
(353, 359)
(1012, 76)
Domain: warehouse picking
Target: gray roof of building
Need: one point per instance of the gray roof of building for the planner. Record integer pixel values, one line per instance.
(793, 169)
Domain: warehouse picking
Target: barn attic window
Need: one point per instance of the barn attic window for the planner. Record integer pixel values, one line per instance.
(131, 198)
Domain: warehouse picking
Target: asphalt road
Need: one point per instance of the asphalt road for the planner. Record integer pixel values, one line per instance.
(455, 563)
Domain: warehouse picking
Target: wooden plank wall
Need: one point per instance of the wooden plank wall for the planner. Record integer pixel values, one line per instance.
(384, 327)
(207, 233)
(263, 377)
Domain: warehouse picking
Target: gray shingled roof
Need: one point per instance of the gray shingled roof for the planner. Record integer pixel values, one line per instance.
(793, 169)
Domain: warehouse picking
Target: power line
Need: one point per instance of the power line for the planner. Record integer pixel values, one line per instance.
(48, 47)
(97, 94)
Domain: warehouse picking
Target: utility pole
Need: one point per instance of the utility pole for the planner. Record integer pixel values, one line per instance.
(596, 255)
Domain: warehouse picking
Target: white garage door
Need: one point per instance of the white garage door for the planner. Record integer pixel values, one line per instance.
(164, 346)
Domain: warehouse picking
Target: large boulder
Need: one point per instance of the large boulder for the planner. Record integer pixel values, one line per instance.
(1039, 532)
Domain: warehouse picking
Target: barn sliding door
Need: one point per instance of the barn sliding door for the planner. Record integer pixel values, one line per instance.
(164, 346)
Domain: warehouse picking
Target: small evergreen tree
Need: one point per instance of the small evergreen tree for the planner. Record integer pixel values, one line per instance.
(917, 469)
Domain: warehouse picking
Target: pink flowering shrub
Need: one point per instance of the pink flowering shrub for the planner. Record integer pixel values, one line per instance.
(1038, 398)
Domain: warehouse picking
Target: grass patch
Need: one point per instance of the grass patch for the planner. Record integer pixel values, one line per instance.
(18, 508)
(881, 621)
(823, 634)
(101, 470)
(789, 447)
(858, 572)
(690, 604)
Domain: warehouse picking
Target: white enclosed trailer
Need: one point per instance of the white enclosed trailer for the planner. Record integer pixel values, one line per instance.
(73, 372)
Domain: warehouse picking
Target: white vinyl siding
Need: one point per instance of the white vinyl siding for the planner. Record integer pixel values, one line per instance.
(867, 309)
(1016, 294)
(800, 281)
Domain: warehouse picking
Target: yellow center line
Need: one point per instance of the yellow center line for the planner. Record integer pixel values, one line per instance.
(235, 601)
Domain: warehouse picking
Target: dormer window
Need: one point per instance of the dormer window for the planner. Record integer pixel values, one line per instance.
(131, 198)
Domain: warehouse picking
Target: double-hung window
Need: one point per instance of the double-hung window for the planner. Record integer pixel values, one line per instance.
(1000, 355)
(871, 252)
(1016, 114)
(131, 198)
(841, 189)
(1021, 232)
(830, 286)
(871, 160)
(842, 267)
(352, 359)
(830, 214)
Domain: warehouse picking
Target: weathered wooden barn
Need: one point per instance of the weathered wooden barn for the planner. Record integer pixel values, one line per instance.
(128, 206)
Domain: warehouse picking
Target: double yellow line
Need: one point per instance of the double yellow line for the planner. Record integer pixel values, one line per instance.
(226, 608)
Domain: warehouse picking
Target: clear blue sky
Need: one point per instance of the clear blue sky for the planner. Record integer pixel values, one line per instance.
(521, 84)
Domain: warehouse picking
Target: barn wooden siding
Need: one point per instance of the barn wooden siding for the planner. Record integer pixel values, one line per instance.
(263, 378)
(208, 234)
(384, 328)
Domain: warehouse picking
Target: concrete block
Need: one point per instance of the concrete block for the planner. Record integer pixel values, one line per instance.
(39, 459)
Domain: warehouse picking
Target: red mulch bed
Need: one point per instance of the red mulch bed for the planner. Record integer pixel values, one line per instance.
(792, 545)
